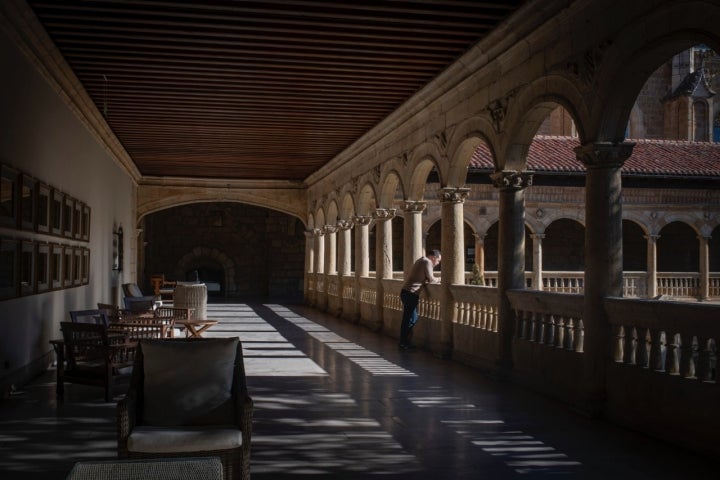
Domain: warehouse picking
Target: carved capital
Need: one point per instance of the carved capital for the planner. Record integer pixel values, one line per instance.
(384, 214)
(344, 225)
(453, 194)
(604, 154)
(413, 206)
(318, 232)
(511, 180)
(329, 229)
(362, 219)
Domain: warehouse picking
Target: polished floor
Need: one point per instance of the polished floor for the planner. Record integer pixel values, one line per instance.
(336, 401)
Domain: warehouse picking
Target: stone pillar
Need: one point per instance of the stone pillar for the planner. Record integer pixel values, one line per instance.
(383, 259)
(511, 255)
(412, 233)
(344, 265)
(362, 257)
(537, 273)
(309, 266)
(320, 285)
(330, 235)
(452, 269)
(704, 293)
(480, 253)
(603, 259)
(652, 265)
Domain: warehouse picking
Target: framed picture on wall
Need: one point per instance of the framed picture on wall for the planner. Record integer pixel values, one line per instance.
(85, 230)
(42, 205)
(8, 196)
(85, 266)
(67, 216)
(67, 264)
(57, 200)
(8, 268)
(77, 220)
(56, 264)
(77, 266)
(42, 275)
(27, 202)
(27, 268)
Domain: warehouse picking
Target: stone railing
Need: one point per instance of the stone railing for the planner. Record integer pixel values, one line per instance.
(368, 291)
(476, 306)
(669, 338)
(678, 284)
(554, 320)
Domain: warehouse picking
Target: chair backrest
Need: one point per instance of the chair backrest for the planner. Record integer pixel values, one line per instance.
(84, 342)
(132, 290)
(189, 382)
(136, 305)
(97, 316)
(142, 328)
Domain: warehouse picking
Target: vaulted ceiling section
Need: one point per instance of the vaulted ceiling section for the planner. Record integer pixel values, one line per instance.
(268, 90)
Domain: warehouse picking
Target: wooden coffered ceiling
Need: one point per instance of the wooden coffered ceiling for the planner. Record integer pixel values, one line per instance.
(267, 90)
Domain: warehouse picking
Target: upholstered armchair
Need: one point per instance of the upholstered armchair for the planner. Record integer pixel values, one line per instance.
(188, 397)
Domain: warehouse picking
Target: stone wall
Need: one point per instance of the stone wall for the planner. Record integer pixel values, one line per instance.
(260, 252)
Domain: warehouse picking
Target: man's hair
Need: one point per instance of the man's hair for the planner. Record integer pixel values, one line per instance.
(433, 253)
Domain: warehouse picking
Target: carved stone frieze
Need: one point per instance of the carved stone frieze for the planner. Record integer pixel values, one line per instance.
(511, 179)
(453, 194)
(604, 154)
(586, 67)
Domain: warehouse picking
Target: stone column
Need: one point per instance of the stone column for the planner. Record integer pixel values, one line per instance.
(452, 268)
(412, 233)
(309, 266)
(537, 273)
(344, 265)
(652, 265)
(704, 293)
(603, 259)
(362, 257)
(511, 255)
(480, 253)
(383, 259)
(331, 280)
(320, 285)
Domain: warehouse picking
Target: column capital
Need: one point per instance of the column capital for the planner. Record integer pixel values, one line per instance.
(318, 232)
(604, 154)
(309, 232)
(362, 220)
(330, 229)
(511, 179)
(453, 194)
(344, 224)
(652, 237)
(480, 236)
(384, 214)
(538, 236)
(413, 206)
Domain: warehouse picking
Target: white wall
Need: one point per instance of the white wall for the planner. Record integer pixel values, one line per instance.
(40, 135)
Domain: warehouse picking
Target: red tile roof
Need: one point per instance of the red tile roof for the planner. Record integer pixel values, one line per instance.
(550, 154)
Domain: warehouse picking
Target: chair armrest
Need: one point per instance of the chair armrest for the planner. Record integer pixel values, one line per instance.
(245, 408)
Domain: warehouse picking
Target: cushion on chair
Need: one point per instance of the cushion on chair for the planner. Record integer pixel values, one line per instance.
(188, 383)
(134, 290)
(183, 439)
(204, 468)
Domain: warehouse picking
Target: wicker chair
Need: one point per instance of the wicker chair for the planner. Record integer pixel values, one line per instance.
(188, 398)
(205, 468)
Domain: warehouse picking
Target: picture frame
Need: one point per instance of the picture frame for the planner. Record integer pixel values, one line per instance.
(8, 196)
(8, 268)
(27, 268)
(77, 266)
(85, 267)
(56, 263)
(57, 200)
(68, 216)
(42, 274)
(27, 208)
(67, 267)
(77, 220)
(85, 229)
(42, 206)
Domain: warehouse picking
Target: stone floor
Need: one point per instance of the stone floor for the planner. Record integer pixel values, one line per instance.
(334, 400)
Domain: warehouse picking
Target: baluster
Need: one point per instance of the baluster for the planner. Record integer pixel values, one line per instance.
(657, 351)
(619, 344)
(580, 337)
(687, 356)
(704, 373)
(550, 330)
(520, 324)
(673, 355)
(570, 336)
(540, 332)
(560, 333)
(533, 327)
(494, 319)
(483, 319)
(643, 348)
(631, 343)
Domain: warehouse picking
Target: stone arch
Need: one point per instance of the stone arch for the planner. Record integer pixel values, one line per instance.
(332, 213)
(636, 51)
(634, 243)
(366, 200)
(678, 249)
(347, 207)
(563, 246)
(424, 158)
(466, 138)
(389, 188)
(188, 260)
(320, 218)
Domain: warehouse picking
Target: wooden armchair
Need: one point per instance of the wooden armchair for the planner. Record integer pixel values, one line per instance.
(188, 398)
(87, 354)
(139, 328)
(99, 316)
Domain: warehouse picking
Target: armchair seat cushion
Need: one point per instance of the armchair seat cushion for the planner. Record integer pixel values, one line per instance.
(144, 439)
